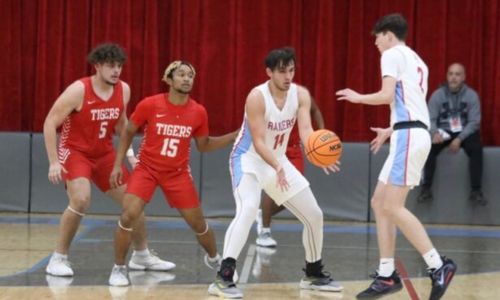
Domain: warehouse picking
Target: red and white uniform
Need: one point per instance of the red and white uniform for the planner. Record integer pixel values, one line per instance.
(85, 146)
(164, 152)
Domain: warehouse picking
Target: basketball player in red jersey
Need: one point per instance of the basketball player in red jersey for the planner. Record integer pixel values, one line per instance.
(89, 110)
(294, 154)
(170, 121)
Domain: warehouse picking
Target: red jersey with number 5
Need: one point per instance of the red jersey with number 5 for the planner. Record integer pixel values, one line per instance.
(90, 130)
(168, 131)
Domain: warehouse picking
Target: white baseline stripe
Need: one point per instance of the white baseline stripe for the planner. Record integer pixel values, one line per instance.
(247, 265)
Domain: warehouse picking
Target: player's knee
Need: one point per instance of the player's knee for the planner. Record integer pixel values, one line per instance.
(80, 204)
(317, 217)
(200, 227)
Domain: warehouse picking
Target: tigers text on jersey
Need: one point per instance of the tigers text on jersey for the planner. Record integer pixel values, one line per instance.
(411, 73)
(90, 130)
(168, 131)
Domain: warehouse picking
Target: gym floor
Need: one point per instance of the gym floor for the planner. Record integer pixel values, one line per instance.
(350, 254)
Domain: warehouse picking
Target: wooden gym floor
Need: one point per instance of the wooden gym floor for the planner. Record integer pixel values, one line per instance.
(350, 254)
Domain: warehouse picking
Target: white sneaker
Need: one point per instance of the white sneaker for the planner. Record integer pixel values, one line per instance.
(265, 240)
(150, 278)
(118, 276)
(258, 221)
(215, 263)
(59, 265)
(149, 262)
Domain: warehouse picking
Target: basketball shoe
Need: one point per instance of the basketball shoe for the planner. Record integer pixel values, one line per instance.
(224, 286)
(317, 279)
(59, 265)
(441, 278)
(149, 262)
(214, 263)
(382, 286)
(118, 276)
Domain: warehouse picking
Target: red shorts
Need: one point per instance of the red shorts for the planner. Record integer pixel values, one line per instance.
(177, 186)
(294, 154)
(95, 169)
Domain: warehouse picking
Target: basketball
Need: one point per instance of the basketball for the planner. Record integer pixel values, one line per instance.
(323, 148)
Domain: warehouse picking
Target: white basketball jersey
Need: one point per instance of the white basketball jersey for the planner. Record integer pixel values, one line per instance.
(411, 73)
(279, 123)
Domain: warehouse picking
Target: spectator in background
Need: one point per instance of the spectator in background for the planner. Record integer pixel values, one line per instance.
(455, 114)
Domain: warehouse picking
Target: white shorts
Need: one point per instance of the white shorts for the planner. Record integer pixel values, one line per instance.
(266, 177)
(407, 155)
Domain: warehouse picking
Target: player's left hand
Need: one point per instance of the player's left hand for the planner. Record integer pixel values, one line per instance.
(455, 145)
(348, 95)
(382, 135)
(332, 168)
(281, 181)
(132, 160)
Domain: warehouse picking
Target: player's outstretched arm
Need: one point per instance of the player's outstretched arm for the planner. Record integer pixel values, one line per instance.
(210, 143)
(384, 96)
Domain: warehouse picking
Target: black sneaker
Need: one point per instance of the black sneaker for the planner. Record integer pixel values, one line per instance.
(476, 196)
(382, 286)
(441, 278)
(319, 280)
(425, 195)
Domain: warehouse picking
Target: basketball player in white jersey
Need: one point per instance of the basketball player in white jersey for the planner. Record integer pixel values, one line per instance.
(404, 87)
(258, 162)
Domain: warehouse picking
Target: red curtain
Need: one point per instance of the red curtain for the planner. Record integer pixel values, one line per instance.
(45, 44)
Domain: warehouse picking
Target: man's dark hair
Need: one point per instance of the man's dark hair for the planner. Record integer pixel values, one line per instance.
(107, 53)
(394, 23)
(279, 58)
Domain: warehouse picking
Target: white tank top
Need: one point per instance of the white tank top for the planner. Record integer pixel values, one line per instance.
(279, 124)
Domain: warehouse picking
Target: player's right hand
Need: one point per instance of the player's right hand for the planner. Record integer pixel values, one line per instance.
(281, 181)
(333, 168)
(55, 175)
(115, 179)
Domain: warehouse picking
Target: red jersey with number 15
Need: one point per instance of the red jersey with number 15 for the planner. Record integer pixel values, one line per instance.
(168, 131)
(90, 130)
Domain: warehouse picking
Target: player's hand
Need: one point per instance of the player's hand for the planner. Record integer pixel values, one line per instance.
(55, 172)
(455, 145)
(348, 95)
(281, 181)
(437, 138)
(132, 160)
(332, 168)
(382, 135)
(115, 179)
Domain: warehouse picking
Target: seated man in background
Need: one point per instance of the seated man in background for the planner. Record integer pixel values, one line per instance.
(455, 113)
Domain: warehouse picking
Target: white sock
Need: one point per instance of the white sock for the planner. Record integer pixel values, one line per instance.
(386, 267)
(266, 229)
(144, 252)
(215, 258)
(432, 259)
(57, 254)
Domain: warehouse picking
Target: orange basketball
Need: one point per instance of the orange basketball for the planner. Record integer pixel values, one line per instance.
(323, 148)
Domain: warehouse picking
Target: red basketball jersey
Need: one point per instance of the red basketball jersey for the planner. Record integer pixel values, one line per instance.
(90, 130)
(168, 131)
(294, 139)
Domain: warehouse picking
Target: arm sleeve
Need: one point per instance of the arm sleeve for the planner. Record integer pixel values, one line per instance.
(473, 116)
(202, 129)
